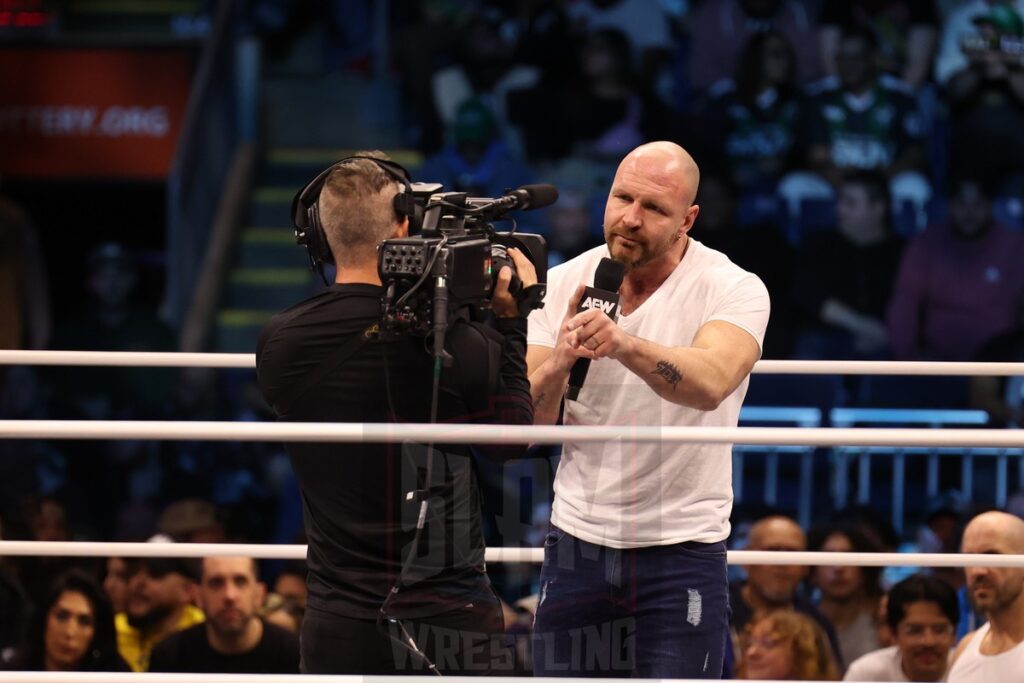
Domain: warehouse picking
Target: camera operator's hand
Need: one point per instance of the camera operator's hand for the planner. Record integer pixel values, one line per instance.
(503, 303)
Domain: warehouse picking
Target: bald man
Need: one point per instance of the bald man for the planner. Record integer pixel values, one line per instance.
(634, 577)
(770, 588)
(994, 652)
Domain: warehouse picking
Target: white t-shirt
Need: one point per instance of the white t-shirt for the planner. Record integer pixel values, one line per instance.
(881, 665)
(623, 494)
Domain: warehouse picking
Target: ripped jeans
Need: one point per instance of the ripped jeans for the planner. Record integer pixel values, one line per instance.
(653, 612)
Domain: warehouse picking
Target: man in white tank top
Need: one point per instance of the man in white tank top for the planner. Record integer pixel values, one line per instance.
(995, 652)
(634, 578)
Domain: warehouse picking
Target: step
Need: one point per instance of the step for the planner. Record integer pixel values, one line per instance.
(237, 330)
(135, 19)
(270, 248)
(270, 289)
(270, 206)
(296, 166)
(336, 109)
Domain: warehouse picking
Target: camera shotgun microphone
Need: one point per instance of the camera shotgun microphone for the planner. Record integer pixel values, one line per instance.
(527, 198)
(605, 296)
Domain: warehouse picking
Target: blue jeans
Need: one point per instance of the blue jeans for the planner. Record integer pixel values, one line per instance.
(653, 612)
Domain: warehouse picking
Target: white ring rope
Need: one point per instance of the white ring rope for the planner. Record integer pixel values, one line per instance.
(143, 359)
(248, 360)
(529, 555)
(356, 432)
(133, 677)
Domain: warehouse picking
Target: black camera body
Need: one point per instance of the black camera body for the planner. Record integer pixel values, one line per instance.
(453, 263)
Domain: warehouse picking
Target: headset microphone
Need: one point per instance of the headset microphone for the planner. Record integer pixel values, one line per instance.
(605, 296)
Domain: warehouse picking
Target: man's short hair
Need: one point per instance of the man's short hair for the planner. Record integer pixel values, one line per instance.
(921, 588)
(255, 565)
(357, 208)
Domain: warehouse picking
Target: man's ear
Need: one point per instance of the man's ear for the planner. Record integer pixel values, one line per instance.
(691, 217)
(261, 593)
(192, 592)
(403, 228)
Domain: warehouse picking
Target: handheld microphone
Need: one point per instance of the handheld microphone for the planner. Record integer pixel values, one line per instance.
(605, 296)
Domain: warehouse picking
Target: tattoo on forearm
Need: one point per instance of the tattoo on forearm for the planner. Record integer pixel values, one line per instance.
(540, 398)
(668, 372)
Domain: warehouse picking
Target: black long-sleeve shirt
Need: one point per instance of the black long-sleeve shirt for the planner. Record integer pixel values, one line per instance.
(359, 522)
(829, 266)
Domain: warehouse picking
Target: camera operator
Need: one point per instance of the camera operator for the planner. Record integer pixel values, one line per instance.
(360, 516)
(981, 66)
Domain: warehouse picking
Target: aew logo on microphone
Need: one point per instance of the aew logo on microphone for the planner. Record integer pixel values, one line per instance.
(609, 306)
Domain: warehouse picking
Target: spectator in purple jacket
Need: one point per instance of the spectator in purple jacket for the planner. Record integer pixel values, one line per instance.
(958, 284)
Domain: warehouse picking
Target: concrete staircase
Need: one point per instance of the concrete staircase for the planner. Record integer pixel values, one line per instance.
(310, 117)
(116, 21)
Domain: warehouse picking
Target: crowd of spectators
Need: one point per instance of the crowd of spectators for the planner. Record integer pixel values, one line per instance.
(790, 106)
(234, 614)
(149, 614)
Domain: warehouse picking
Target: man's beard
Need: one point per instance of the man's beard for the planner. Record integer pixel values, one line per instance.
(151, 618)
(1002, 595)
(631, 258)
(642, 253)
(228, 630)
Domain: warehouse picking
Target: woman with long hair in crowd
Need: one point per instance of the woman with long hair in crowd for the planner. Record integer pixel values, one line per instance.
(72, 629)
(849, 596)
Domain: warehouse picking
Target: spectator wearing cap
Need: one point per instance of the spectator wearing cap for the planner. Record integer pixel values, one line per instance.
(981, 66)
(112, 319)
(484, 65)
(191, 520)
(161, 592)
(476, 160)
(233, 639)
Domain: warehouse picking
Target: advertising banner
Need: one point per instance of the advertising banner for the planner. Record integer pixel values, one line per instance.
(81, 113)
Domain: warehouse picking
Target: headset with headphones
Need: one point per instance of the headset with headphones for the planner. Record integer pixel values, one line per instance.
(309, 231)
